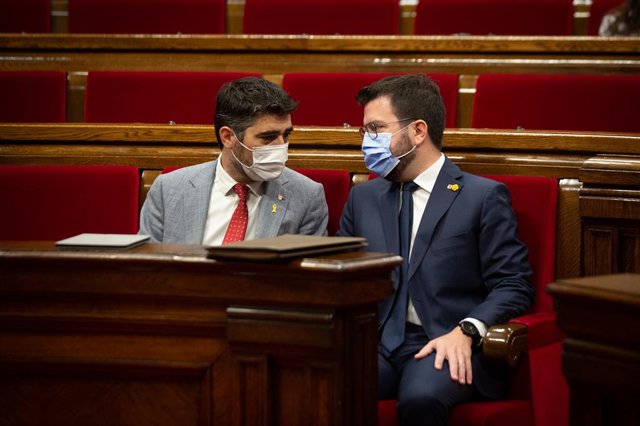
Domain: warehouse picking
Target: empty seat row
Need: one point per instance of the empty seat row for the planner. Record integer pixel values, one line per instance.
(502, 101)
(379, 17)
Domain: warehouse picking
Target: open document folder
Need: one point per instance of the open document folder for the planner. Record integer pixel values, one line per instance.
(284, 247)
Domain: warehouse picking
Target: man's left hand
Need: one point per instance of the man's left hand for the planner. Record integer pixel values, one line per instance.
(455, 347)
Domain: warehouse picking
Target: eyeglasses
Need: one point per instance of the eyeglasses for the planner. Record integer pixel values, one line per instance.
(372, 128)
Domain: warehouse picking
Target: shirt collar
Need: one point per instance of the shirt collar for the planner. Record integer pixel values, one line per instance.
(226, 182)
(427, 179)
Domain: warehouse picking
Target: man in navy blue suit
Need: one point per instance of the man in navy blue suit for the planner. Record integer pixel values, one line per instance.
(464, 267)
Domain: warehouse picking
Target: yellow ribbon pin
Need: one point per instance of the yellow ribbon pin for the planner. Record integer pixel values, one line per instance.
(274, 209)
(453, 187)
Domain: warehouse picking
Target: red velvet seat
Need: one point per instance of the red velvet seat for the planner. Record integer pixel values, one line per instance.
(321, 17)
(538, 393)
(154, 97)
(33, 96)
(597, 10)
(56, 202)
(337, 184)
(28, 16)
(499, 17)
(147, 16)
(557, 102)
(328, 99)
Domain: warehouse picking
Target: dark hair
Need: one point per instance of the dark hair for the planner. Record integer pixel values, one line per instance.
(627, 18)
(412, 96)
(241, 102)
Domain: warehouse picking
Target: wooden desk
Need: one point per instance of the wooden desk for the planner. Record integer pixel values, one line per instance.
(601, 359)
(161, 335)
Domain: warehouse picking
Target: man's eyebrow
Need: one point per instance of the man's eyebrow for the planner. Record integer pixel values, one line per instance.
(271, 133)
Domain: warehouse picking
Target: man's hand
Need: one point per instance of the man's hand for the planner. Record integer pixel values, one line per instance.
(456, 348)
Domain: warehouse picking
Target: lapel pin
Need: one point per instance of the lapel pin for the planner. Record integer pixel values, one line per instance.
(453, 187)
(280, 197)
(274, 209)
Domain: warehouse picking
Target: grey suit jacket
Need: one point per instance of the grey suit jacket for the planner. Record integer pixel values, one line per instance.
(175, 210)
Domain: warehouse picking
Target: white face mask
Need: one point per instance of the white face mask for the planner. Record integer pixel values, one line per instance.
(268, 161)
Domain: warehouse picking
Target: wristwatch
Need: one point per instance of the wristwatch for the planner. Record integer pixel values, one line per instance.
(468, 329)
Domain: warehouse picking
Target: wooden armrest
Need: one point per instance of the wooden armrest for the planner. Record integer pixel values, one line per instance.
(505, 343)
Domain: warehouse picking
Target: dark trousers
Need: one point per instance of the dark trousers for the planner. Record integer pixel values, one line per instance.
(425, 395)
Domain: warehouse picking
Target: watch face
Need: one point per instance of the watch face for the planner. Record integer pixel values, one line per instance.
(469, 329)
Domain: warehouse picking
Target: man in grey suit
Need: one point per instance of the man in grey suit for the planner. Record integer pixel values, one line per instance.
(199, 204)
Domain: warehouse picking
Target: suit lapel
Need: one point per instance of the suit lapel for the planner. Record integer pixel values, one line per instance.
(440, 200)
(272, 208)
(196, 203)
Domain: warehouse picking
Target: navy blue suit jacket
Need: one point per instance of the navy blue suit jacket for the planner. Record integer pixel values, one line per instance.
(466, 260)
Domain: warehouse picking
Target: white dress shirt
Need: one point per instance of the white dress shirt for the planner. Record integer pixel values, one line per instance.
(222, 204)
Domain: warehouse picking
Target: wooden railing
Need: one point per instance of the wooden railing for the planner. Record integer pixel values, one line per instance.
(598, 174)
(273, 56)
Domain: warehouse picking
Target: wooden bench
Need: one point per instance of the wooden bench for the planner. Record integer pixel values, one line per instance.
(273, 56)
(598, 174)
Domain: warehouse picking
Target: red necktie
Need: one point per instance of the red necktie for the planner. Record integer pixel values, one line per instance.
(238, 225)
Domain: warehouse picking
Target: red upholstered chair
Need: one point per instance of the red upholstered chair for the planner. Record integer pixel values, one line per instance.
(337, 184)
(597, 10)
(557, 102)
(56, 202)
(147, 16)
(499, 17)
(33, 96)
(321, 17)
(328, 99)
(154, 97)
(538, 393)
(29, 16)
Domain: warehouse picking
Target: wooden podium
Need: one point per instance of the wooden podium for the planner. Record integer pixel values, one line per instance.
(161, 335)
(601, 358)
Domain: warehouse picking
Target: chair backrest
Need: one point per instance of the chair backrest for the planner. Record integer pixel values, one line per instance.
(154, 97)
(499, 17)
(147, 16)
(56, 202)
(535, 203)
(33, 96)
(328, 99)
(337, 184)
(597, 10)
(321, 17)
(29, 16)
(605, 103)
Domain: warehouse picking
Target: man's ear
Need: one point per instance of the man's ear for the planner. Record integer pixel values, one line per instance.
(421, 131)
(226, 137)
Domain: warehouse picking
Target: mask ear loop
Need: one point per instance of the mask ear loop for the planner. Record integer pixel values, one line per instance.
(408, 152)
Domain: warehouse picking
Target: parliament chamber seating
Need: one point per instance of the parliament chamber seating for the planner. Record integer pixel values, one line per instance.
(328, 99)
(337, 184)
(325, 17)
(33, 96)
(154, 97)
(56, 202)
(147, 16)
(604, 103)
(597, 10)
(497, 17)
(538, 394)
(28, 16)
